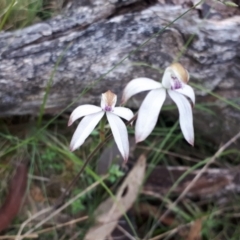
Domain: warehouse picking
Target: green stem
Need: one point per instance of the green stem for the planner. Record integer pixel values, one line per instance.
(102, 129)
(6, 15)
(60, 201)
(48, 87)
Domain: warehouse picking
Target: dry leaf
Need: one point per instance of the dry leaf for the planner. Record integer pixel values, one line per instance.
(195, 230)
(100, 231)
(15, 196)
(108, 212)
(36, 194)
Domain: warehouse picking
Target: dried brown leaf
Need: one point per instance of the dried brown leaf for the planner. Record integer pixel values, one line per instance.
(108, 212)
(15, 196)
(37, 194)
(195, 230)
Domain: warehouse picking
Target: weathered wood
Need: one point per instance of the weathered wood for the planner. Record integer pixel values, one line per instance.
(214, 184)
(92, 38)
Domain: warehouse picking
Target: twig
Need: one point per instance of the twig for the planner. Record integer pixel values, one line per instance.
(31, 218)
(170, 232)
(62, 225)
(156, 195)
(176, 229)
(171, 154)
(60, 209)
(7, 237)
(39, 178)
(127, 234)
(75, 235)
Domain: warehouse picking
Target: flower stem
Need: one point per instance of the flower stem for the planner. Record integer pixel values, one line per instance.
(61, 199)
(102, 129)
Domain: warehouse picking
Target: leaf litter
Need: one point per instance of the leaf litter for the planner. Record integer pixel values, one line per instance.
(112, 209)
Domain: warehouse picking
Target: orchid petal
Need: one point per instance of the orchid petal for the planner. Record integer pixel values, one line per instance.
(167, 78)
(85, 127)
(148, 113)
(123, 112)
(120, 135)
(185, 112)
(187, 91)
(82, 111)
(139, 85)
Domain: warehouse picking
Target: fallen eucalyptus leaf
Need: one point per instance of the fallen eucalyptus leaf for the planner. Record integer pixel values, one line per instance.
(109, 211)
(195, 230)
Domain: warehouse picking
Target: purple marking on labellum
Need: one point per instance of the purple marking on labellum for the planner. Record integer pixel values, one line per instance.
(108, 108)
(176, 83)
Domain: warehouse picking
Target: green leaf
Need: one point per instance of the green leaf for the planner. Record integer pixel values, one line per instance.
(230, 4)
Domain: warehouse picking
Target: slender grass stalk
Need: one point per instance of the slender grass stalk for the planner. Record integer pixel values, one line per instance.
(6, 15)
(49, 84)
(230, 103)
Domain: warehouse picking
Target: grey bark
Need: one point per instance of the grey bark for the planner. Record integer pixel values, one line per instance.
(92, 37)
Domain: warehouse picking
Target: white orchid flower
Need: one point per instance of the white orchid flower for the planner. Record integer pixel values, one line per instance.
(174, 82)
(93, 114)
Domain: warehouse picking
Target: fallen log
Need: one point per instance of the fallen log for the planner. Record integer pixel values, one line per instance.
(214, 184)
